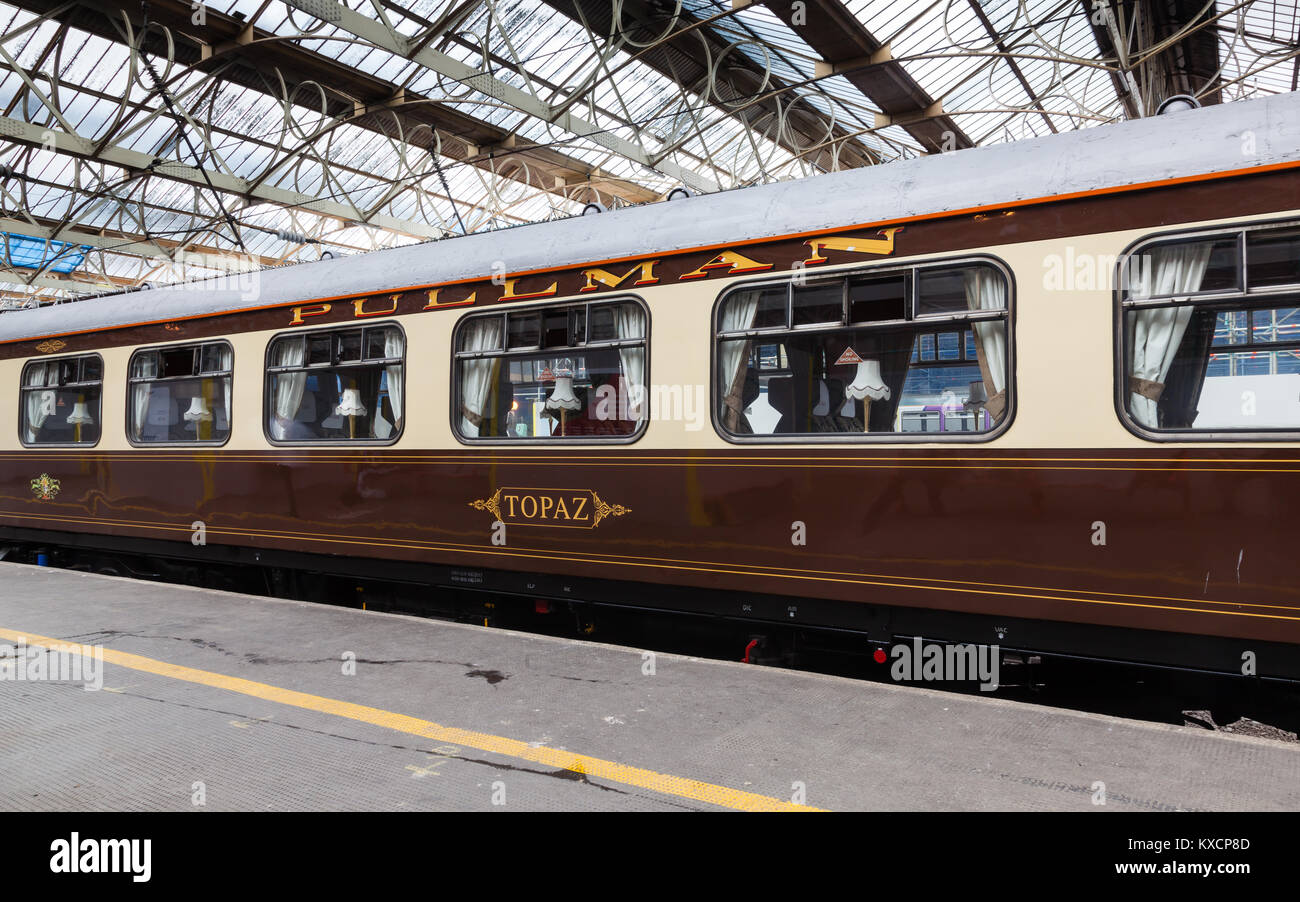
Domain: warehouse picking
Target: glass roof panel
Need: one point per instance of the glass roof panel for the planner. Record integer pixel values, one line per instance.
(296, 180)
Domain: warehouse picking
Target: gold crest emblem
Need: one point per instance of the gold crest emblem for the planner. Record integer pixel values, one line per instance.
(45, 487)
(51, 345)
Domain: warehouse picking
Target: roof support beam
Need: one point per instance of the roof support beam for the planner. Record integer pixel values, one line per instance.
(261, 61)
(1129, 28)
(382, 37)
(1010, 61)
(145, 164)
(680, 57)
(78, 282)
(834, 32)
(1191, 66)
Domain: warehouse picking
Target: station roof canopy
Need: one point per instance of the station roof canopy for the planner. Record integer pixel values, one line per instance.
(163, 141)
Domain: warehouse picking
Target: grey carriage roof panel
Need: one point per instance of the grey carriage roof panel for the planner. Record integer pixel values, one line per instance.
(1194, 142)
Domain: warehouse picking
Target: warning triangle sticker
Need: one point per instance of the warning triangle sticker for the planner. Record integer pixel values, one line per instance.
(849, 356)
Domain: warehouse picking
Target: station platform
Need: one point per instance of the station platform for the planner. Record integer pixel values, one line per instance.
(217, 701)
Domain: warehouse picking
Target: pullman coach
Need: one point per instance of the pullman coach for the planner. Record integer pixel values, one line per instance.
(1044, 395)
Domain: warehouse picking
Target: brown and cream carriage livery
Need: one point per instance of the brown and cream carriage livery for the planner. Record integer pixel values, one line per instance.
(1044, 394)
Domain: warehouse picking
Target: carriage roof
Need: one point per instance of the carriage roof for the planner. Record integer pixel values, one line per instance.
(1190, 143)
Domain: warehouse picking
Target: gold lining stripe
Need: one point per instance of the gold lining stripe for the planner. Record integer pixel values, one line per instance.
(624, 774)
(819, 462)
(833, 576)
(820, 466)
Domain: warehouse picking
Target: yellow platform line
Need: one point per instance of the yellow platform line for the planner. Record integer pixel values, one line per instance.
(612, 771)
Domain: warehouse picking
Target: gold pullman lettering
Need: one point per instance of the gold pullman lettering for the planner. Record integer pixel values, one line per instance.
(595, 278)
(359, 308)
(435, 303)
(731, 263)
(301, 313)
(511, 295)
(852, 245)
(645, 276)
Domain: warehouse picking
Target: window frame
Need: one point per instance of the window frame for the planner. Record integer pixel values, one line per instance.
(22, 396)
(269, 369)
(1242, 298)
(921, 323)
(128, 410)
(505, 353)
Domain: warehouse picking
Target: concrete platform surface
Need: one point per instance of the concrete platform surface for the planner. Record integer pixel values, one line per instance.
(218, 701)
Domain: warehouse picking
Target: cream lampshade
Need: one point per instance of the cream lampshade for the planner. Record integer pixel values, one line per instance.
(80, 416)
(562, 398)
(868, 386)
(201, 416)
(198, 412)
(350, 404)
(867, 383)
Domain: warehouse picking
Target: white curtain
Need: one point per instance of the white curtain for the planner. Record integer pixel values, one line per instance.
(394, 347)
(987, 290)
(733, 356)
(478, 375)
(227, 382)
(630, 322)
(1154, 334)
(140, 401)
(40, 404)
(146, 367)
(288, 386)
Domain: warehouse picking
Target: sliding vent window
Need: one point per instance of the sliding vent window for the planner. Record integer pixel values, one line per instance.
(920, 350)
(572, 371)
(181, 394)
(61, 401)
(338, 386)
(1214, 352)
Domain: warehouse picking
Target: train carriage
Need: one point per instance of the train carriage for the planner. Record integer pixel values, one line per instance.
(1044, 395)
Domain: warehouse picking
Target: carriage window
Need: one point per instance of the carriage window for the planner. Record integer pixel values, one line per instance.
(917, 351)
(574, 371)
(338, 386)
(61, 401)
(1273, 257)
(1208, 351)
(181, 394)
